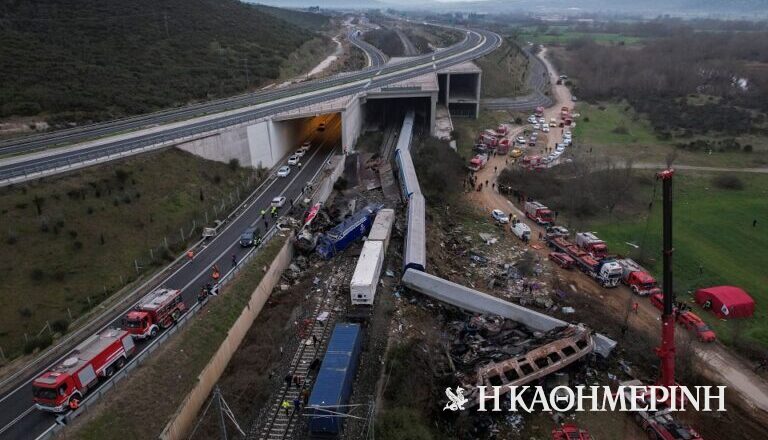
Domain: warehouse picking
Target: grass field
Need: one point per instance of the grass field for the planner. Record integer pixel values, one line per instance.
(173, 371)
(504, 72)
(562, 35)
(70, 241)
(714, 242)
(614, 129)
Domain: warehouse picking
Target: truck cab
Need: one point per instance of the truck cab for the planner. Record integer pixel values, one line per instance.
(158, 310)
(52, 391)
(609, 273)
(642, 283)
(140, 325)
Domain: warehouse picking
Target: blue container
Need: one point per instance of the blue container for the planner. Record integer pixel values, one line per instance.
(342, 235)
(333, 385)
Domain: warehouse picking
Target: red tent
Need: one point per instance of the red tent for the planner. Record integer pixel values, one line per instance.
(727, 301)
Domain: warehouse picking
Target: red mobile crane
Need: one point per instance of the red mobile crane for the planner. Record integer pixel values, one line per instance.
(660, 425)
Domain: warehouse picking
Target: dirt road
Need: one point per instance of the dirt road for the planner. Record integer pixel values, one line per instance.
(715, 361)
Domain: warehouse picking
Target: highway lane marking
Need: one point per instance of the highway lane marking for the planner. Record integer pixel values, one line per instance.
(16, 420)
(292, 99)
(182, 267)
(227, 250)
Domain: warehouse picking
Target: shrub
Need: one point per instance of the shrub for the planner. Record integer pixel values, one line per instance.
(234, 164)
(77, 245)
(728, 182)
(13, 238)
(60, 325)
(37, 343)
(25, 312)
(621, 129)
(73, 234)
(747, 148)
(122, 175)
(37, 274)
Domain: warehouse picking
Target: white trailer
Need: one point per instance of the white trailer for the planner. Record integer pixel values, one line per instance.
(381, 229)
(362, 288)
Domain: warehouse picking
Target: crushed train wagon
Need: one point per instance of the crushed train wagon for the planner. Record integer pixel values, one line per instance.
(381, 230)
(726, 302)
(333, 386)
(342, 235)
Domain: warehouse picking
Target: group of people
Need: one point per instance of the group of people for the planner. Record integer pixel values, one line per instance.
(299, 401)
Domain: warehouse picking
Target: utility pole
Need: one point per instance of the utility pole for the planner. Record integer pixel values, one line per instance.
(222, 424)
(165, 19)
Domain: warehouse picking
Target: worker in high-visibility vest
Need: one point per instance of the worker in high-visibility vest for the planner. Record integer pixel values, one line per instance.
(215, 274)
(263, 212)
(274, 211)
(74, 404)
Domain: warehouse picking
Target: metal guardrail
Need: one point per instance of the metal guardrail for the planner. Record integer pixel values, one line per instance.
(159, 140)
(91, 399)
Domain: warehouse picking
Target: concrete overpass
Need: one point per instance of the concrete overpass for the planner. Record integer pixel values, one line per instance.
(236, 127)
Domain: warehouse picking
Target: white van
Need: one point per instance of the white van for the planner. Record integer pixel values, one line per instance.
(521, 231)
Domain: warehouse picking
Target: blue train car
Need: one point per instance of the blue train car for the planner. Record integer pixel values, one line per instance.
(333, 385)
(342, 235)
(415, 253)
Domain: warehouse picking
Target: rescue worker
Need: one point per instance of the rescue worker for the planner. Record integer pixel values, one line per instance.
(635, 305)
(74, 404)
(262, 212)
(274, 211)
(234, 260)
(215, 274)
(296, 404)
(286, 406)
(190, 254)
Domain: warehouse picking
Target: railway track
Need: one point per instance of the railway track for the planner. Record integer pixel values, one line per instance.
(274, 423)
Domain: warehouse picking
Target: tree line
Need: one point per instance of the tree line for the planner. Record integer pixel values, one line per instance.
(92, 60)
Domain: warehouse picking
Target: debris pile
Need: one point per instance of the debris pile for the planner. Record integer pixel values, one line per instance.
(493, 351)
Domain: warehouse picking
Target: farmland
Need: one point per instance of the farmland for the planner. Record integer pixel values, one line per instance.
(715, 242)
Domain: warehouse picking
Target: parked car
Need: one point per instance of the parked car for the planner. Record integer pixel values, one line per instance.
(532, 119)
(536, 126)
(250, 237)
(556, 231)
(574, 99)
(516, 152)
(278, 202)
(521, 231)
(545, 128)
(321, 126)
(542, 120)
(284, 171)
(560, 148)
(567, 133)
(294, 159)
(303, 149)
(561, 259)
(499, 216)
(563, 76)
(520, 140)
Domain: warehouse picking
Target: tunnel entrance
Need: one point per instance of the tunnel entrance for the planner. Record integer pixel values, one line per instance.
(381, 113)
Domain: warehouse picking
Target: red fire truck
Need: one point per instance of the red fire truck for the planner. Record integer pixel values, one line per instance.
(66, 384)
(156, 311)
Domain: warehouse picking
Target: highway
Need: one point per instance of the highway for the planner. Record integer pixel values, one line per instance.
(376, 57)
(18, 419)
(262, 104)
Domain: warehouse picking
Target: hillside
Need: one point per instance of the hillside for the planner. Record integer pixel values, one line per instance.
(95, 60)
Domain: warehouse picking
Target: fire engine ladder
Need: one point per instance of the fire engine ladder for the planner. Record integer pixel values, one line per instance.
(277, 425)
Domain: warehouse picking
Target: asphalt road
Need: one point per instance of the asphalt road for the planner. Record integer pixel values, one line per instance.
(375, 56)
(476, 44)
(18, 418)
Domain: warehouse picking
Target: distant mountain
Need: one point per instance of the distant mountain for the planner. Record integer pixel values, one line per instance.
(88, 60)
(325, 4)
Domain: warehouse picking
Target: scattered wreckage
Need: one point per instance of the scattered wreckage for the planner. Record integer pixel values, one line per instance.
(493, 351)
